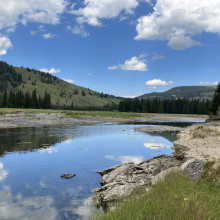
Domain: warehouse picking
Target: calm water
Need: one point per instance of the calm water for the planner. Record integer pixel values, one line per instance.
(32, 160)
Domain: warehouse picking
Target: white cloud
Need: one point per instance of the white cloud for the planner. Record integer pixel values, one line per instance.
(69, 81)
(125, 159)
(134, 64)
(51, 71)
(95, 10)
(181, 42)
(158, 82)
(132, 96)
(13, 12)
(24, 11)
(79, 30)
(48, 36)
(5, 44)
(179, 21)
(208, 83)
(157, 56)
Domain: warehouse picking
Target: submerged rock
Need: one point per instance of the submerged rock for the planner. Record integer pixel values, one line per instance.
(68, 176)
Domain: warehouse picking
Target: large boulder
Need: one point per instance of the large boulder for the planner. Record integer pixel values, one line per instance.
(118, 182)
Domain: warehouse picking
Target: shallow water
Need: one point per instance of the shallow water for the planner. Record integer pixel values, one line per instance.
(33, 159)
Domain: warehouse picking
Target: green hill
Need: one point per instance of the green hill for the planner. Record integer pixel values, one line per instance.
(189, 92)
(62, 93)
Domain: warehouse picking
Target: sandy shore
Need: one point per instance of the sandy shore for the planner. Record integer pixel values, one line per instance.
(200, 141)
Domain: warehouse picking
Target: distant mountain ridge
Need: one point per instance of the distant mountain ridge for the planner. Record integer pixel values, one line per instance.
(62, 93)
(189, 92)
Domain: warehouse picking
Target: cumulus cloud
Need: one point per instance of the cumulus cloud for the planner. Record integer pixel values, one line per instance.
(48, 36)
(79, 30)
(51, 71)
(95, 10)
(69, 81)
(179, 21)
(208, 83)
(134, 64)
(13, 12)
(24, 11)
(158, 82)
(5, 44)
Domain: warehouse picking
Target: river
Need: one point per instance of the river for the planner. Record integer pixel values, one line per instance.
(33, 159)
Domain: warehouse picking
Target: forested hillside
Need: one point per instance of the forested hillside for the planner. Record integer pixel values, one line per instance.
(189, 92)
(62, 93)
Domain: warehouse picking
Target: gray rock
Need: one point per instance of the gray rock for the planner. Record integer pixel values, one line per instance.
(120, 181)
(180, 151)
(193, 168)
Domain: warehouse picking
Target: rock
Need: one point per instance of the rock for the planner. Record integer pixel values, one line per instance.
(180, 151)
(67, 176)
(193, 168)
(162, 175)
(118, 182)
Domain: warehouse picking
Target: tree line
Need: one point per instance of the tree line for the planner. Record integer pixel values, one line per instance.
(19, 99)
(171, 106)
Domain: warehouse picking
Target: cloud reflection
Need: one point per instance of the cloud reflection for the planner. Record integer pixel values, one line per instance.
(18, 207)
(125, 159)
(3, 172)
(48, 150)
(154, 145)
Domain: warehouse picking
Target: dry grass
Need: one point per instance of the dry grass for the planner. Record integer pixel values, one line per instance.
(202, 132)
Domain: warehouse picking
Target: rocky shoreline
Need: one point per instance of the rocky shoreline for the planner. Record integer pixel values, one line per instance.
(22, 120)
(118, 182)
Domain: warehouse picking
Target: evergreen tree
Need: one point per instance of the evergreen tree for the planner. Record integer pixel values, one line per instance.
(215, 101)
(34, 101)
(11, 99)
(5, 99)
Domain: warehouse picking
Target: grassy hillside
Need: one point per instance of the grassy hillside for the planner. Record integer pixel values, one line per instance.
(62, 93)
(189, 92)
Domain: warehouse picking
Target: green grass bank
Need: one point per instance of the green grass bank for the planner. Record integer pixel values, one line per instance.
(178, 197)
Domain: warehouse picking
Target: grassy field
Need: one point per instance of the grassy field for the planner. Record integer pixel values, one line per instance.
(95, 115)
(178, 197)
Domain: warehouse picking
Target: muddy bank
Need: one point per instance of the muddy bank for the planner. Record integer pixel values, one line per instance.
(195, 145)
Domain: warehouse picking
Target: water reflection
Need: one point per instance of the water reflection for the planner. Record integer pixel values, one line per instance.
(3, 172)
(125, 159)
(33, 160)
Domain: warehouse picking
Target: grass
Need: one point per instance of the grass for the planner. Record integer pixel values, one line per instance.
(93, 115)
(178, 197)
(202, 132)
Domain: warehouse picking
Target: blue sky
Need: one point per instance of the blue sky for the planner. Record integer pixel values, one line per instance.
(125, 48)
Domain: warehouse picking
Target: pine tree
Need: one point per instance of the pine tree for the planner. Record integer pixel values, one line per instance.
(215, 101)
(5, 99)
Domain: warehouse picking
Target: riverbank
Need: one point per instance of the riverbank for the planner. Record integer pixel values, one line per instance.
(20, 118)
(196, 145)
